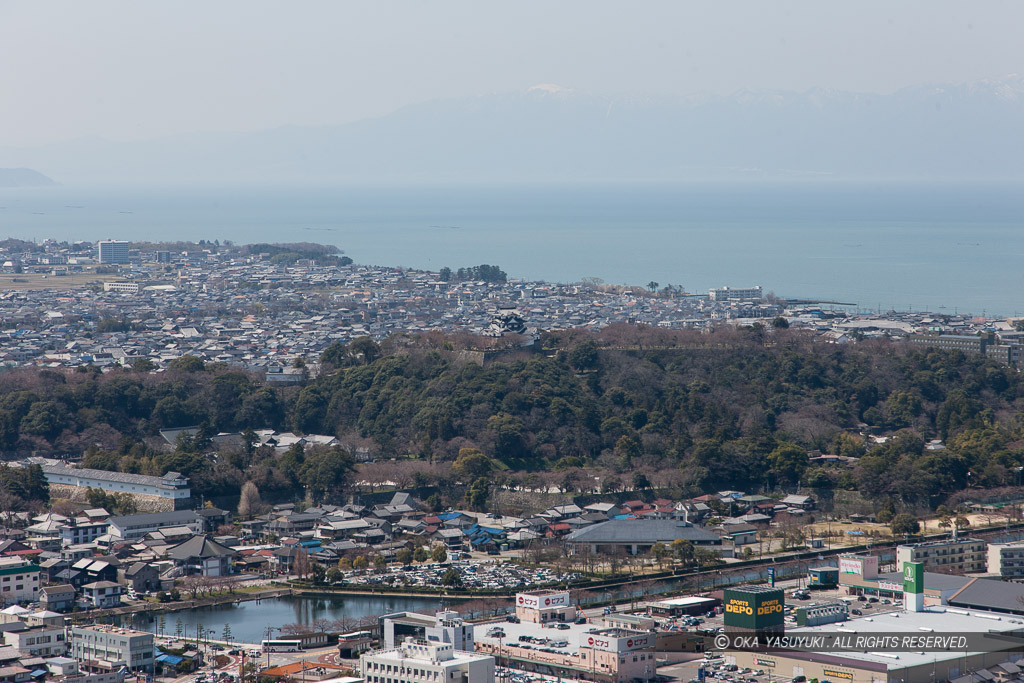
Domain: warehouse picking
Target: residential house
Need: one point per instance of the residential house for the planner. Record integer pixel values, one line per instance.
(333, 528)
(738, 534)
(202, 555)
(98, 569)
(282, 559)
(797, 501)
(102, 594)
(58, 598)
(214, 518)
(141, 577)
(607, 510)
(452, 539)
(51, 567)
(293, 524)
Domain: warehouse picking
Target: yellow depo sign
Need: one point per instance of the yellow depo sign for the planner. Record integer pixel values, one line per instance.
(739, 607)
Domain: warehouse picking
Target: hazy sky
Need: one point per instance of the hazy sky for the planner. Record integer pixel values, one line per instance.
(128, 70)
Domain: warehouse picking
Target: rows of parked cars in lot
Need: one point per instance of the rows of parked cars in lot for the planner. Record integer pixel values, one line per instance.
(482, 575)
(715, 667)
(516, 676)
(222, 677)
(733, 673)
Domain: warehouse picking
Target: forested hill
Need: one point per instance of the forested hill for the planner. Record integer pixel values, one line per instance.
(694, 412)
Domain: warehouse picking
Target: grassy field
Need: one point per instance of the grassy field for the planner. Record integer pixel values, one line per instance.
(36, 281)
(840, 536)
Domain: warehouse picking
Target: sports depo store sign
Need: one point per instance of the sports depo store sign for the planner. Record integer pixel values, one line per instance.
(754, 610)
(542, 601)
(607, 643)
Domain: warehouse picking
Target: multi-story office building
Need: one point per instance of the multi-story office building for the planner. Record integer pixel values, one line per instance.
(113, 251)
(19, 580)
(950, 556)
(104, 648)
(425, 661)
(443, 627)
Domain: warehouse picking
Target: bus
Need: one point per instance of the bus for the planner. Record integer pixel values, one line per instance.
(281, 645)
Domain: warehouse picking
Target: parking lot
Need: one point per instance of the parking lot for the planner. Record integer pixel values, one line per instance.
(558, 637)
(481, 575)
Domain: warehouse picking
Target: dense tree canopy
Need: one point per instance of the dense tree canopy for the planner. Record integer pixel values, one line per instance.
(733, 409)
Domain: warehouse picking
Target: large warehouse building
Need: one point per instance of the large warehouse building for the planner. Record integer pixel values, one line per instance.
(878, 662)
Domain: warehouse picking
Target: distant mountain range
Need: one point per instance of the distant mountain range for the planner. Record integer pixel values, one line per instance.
(23, 177)
(966, 131)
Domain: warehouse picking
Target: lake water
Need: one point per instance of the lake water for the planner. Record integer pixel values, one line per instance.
(250, 619)
(940, 247)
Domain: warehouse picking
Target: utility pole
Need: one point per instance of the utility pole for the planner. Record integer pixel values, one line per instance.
(270, 634)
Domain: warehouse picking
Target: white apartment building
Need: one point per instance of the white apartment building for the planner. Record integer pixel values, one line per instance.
(80, 531)
(19, 580)
(424, 661)
(41, 641)
(949, 556)
(122, 287)
(1006, 560)
(741, 293)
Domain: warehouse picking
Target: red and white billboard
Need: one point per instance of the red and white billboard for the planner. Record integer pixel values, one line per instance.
(543, 601)
(613, 643)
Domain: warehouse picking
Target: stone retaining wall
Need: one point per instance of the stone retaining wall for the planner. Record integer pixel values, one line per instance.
(145, 503)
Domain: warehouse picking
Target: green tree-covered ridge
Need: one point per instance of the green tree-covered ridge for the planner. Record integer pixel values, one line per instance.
(732, 409)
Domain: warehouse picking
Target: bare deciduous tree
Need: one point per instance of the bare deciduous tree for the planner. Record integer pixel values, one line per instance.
(249, 504)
